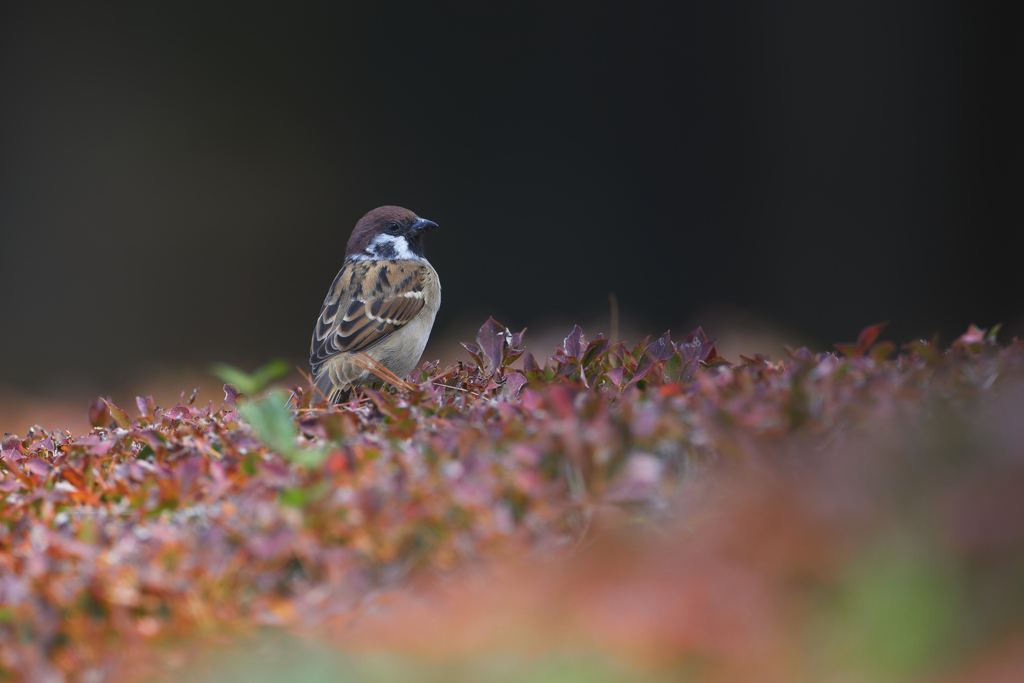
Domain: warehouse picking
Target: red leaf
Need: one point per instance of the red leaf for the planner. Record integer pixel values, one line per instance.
(868, 336)
(98, 414)
(865, 339)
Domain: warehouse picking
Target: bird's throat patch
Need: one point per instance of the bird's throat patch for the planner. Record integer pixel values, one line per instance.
(387, 248)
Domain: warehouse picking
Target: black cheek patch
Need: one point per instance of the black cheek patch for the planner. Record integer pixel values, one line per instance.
(385, 250)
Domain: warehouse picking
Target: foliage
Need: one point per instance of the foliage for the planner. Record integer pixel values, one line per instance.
(251, 383)
(195, 521)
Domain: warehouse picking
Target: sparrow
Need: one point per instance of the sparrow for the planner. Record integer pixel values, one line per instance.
(382, 303)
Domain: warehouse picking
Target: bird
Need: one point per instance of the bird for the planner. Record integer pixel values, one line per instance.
(382, 303)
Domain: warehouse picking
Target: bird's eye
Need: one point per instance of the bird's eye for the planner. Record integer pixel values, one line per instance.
(393, 226)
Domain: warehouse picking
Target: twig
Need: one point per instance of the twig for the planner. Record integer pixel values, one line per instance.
(372, 365)
(309, 378)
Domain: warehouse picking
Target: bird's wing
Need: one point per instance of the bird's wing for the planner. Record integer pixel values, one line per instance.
(368, 301)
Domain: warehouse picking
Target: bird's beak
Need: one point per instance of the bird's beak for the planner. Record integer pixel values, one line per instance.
(421, 226)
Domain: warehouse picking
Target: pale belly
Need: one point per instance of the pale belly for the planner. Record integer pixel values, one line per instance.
(401, 353)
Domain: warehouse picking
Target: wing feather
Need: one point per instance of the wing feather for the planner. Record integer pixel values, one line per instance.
(378, 297)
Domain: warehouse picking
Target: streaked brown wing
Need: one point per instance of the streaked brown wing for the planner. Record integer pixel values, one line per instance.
(368, 301)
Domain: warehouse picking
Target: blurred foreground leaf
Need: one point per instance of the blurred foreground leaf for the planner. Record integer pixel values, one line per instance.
(254, 383)
(896, 615)
(272, 422)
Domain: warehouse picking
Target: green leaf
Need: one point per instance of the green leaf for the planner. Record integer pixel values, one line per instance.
(251, 383)
(272, 421)
(293, 497)
(882, 350)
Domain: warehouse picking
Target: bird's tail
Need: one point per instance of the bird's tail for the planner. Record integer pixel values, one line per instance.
(326, 387)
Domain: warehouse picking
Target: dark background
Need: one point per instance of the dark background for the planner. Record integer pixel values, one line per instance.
(178, 181)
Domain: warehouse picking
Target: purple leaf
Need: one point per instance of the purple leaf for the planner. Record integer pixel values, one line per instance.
(492, 339)
(177, 413)
(642, 368)
(11, 441)
(101, 448)
(146, 405)
(475, 353)
(513, 383)
(530, 363)
(37, 466)
(638, 350)
(511, 356)
(231, 393)
(571, 345)
(696, 345)
(661, 348)
(657, 351)
(517, 338)
(690, 368)
(594, 351)
(512, 349)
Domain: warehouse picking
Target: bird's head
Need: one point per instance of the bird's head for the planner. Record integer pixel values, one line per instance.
(388, 232)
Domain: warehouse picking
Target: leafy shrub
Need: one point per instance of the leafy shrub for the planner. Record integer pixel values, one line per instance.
(189, 521)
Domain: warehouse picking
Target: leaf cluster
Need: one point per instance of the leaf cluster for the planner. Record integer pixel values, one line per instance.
(191, 519)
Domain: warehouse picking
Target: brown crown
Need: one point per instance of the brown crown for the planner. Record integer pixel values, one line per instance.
(373, 224)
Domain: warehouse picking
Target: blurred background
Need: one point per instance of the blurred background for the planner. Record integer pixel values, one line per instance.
(178, 180)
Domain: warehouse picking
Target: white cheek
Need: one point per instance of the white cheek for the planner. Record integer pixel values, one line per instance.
(390, 247)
